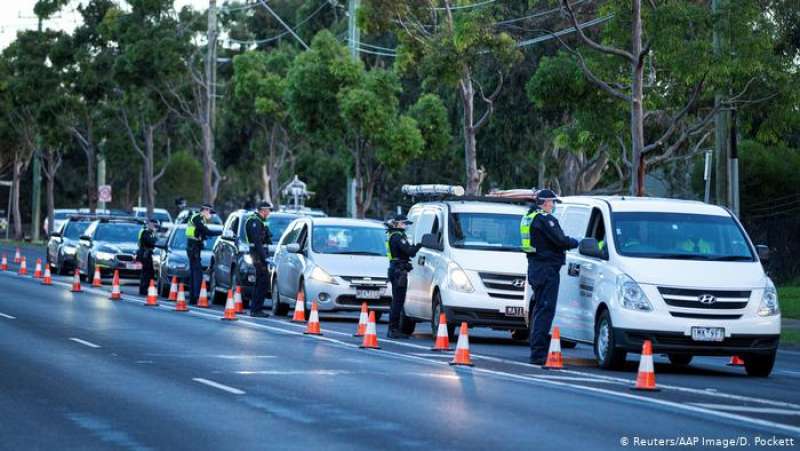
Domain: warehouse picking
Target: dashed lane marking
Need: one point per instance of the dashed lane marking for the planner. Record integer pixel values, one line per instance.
(766, 410)
(7, 316)
(218, 386)
(84, 342)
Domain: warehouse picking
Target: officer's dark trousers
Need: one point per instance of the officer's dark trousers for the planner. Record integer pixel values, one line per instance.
(399, 280)
(195, 275)
(146, 275)
(259, 289)
(544, 280)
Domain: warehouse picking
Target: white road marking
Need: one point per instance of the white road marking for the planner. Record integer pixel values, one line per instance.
(749, 409)
(789, 373)
(295, 372)
(7, 316)
(219, 386)
(84, 342)
(571, 378)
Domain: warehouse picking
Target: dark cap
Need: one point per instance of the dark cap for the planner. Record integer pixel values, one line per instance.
(546, 194)
(264, 205)
(153, 221)
(208, 207)
(401, 218)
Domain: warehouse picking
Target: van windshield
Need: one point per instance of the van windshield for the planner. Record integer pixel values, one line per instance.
(485, 231)
(680, 236)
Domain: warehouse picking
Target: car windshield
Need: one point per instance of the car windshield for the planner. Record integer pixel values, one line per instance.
(277, 225)
(680, 236)
(179, 240)
(349, 240)
(485, 231)
(118, 232)
(75, 229)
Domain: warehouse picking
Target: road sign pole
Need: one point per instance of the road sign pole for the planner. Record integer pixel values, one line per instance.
(101, 179)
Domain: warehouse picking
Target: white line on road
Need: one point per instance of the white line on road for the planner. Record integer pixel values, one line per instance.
(219, 386)
(84, 342)
(7, 316)
(749, 409)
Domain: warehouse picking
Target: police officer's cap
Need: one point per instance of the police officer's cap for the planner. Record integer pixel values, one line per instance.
(264, 205)
(208, 207)
(401, 219)
(546, 194)
(153, 221)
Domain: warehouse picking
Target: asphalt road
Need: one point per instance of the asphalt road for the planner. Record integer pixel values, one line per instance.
(82, 372)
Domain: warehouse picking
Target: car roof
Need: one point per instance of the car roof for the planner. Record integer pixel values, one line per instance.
(477, 206)
(649, 204)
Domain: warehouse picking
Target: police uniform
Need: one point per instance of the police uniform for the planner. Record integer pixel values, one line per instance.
(258, 237)
(196, 235)
(545, 245)
(147, 243)
(400, 253)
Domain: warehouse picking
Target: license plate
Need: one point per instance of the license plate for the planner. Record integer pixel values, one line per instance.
(134, 265)
(515, 311)
(368, 294)
(708, 333)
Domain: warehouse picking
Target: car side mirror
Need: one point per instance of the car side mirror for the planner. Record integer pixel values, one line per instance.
(763, 252)
(591, 248)
(55, 235)
(431, 241)
(294, 248)
(228, 235)
(86, 238)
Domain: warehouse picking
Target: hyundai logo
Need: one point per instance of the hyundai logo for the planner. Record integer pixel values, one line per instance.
(706, 299)
(518, 283)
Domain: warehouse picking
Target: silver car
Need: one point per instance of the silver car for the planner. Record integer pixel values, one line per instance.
(338, 262)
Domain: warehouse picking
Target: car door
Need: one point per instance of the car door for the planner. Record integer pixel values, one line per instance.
(427, 261)
(222, 254)
(298, 260)
(84, 246)
(54, 243)
(574, 221)
(286, 283)
(418, 276)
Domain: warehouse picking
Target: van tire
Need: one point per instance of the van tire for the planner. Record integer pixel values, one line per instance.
(759, 365)
(436, 309)
(613, 358)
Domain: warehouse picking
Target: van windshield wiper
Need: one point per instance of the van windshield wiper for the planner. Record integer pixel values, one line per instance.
(732, 258)
(355, 253)
(678, 256)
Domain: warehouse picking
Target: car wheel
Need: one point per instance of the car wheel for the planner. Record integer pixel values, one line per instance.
(520, 334)
(278, 307)
(759, 365)
(216, 298)
(59, 268)
(680, 359)
(436, 311)
(89, 271)
(608, 355)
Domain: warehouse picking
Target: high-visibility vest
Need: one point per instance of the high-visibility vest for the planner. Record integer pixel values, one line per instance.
(525, 231)
(389, 248)
(191, 229)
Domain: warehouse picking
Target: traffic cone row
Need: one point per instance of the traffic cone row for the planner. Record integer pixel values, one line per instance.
(300, 308)
(237, 300)
(313, 327)
(97, 281)
(116, 294)
(152, 295)
(37, 271)
(173, 289)
(76, 281)
(202, 298)
(4, 263)
(23, 268)
(48, 279)
(180, 301)
(363, 318)
(230, 308)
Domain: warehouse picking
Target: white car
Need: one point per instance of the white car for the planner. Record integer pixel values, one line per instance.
(471, 265)
(681, 274)
(159, 214)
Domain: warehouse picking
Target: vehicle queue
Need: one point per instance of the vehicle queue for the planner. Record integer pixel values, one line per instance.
(682, 276)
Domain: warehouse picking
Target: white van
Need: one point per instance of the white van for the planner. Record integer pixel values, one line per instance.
(682, 274)
(471, 265)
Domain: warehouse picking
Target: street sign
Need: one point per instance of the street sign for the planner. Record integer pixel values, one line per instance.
(104, 193)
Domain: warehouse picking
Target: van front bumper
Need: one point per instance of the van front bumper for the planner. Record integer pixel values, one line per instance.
(676, 342)
(478, 317)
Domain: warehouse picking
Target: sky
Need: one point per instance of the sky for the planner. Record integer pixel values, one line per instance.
(16, 15)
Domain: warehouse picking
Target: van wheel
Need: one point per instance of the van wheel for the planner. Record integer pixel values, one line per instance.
(605, 349)
(520, 334)
(437, 310)
(759, 365)
(278, 308)
(680, 359)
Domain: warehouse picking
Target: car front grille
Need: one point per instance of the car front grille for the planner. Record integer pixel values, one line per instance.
(692, 299)
(125, 257)
(703, 316)
(351, 300)
(504, 286)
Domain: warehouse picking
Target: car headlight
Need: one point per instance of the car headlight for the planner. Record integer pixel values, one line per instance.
(248, 259)
(630, 294)
(320, 275)
(175, 266)
(458, 279)
(70, 250)
(104, 255)
(769, 301)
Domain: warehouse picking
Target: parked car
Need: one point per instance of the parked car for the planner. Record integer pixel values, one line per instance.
(171, 259)
(59, 216)
(62, 247)
(339, 262)
(682, 274)
(185, 214)
(110, 243)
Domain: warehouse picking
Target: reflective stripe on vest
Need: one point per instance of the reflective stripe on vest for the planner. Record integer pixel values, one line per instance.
(525, 231)
(190, 228)
(389, 248)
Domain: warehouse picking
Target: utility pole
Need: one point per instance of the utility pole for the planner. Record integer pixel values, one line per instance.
(211, 94)
(353, 42)
(733, 168)
(721, 120)
(101, 179)
(36, 204)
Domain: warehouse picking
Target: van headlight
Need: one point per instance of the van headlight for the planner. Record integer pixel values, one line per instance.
(631, 295)
(320, 275)
(769, 301)
(458, 279)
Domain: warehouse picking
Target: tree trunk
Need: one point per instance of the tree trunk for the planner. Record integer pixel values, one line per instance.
(637, 97)
(15, 194)
(91, 172)
(265, 183)
(149, 182)
(470, 142)
(51, 200)
(209, 193)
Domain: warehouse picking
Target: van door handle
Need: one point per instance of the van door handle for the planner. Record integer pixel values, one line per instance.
(574, 270)
(588, 266)
(421, 260)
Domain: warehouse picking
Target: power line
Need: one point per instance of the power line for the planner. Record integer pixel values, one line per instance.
(282, 34)
(533, 16)
(371, 52)
(278, 18)
(471, 5)
(375, 47)
(565, 31)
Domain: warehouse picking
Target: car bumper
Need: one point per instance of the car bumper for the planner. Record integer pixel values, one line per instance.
(676, 342)
(107, 270)
(482, 310)
(343, 297)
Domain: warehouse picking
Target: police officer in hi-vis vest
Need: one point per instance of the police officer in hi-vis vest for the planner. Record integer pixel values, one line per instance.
(196, 235)
(400, 253)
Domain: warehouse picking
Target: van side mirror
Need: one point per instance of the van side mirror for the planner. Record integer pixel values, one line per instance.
(293, 248)
(431, 241)
(763, 252)
(228, 235)
(590, 247)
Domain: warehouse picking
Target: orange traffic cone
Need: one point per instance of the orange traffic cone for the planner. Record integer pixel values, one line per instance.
(48, 278)
(202, 298)
(152, 295)
(442, 339)
(646, 379)
(37, 271)
(97, 281)
(362, 321)
(76, 281)
(462, 356)
(371, 336)
(555, 361)
(173, 289)
(736, 361)
(116, 295)
(180, 301)
(300, 308)
(23, 268)
(313, 327)
(230, 308)
(4, 263)
(17, 257)
(237, 299)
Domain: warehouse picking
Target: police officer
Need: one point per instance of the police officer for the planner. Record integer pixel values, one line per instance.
(400, 253)
(196, 234)
(259, 237)
(144, 253)
(545, 245)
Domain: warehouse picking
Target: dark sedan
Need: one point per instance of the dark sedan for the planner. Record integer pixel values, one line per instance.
(62, 247)
(110, 244)
(172, 260)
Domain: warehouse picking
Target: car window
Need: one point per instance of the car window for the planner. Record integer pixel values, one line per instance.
(424, 224)
(484, 231)
(351, 240)
(118, 232)
(278, 224)
(291, 236)
(302, 236)
(178, 240)
(233, 224)
(74, 229)
(91, 229)
(413, 216)
(575, 221)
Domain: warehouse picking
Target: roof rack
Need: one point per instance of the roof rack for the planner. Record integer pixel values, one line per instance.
(117, 218)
